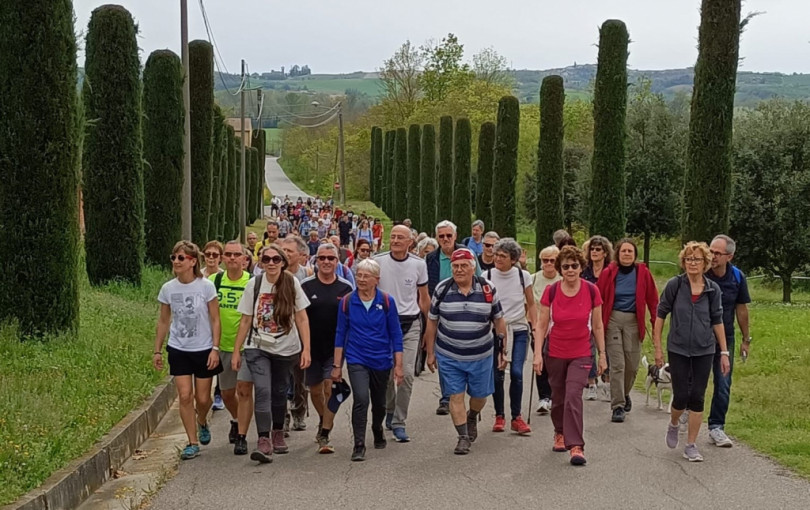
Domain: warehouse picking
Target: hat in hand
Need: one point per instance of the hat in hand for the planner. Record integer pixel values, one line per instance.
(340, 392)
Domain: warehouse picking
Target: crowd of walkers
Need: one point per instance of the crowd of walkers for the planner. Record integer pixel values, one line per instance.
(276, 320)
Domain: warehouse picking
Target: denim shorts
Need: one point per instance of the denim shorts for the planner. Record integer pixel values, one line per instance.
(472, 377)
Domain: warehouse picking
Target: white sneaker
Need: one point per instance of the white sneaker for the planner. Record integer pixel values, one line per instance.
(544, 407)
(719, 438)
(605, 388)
(590, 393)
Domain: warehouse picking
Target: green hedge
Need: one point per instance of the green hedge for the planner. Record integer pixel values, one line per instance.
(549, 202)
(216, 174)
(40, 122)
(201, 82)
(504, 170)
(427, 182)
(414, 161)
(113, 154)
(462, 213)
(444, 175)
(400, 175)
(483, 183)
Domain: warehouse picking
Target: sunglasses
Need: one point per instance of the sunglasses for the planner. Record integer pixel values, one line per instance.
(180, 257)
(574, 266)
(445, 236)
(211, 255)
(276, 259)
(596, 248)
(363, 250)
(328, 258)
(548, 261)
(232, 254)
(488, 245)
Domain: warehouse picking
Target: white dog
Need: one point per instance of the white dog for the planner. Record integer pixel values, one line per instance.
(661, 378)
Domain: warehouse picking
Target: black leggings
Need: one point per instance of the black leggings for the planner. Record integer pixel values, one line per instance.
(368, 387)
(690, 376)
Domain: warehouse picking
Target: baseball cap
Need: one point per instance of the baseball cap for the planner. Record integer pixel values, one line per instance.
(462, 254)
(340, 392)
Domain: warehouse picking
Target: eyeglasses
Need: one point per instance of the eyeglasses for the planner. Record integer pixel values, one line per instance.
(180, 257)
(232, 254)
(328, 258)
(548, 261)
(574, 266)
(276, 259)
(488, 245)
(718, 253)
(693, 260)
(445, 236)
(211, 255)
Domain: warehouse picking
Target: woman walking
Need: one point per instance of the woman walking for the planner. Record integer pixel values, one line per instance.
(365, 232)
(189, 314)
(547, 275)
(695, 331)
(274, 322)
(362, 251)
(213, 258)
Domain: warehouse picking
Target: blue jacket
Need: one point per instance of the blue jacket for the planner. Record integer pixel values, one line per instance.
(369, 337)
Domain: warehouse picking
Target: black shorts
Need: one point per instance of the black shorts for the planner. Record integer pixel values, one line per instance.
(191, 363)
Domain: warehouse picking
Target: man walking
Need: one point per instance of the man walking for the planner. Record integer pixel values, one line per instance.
(466, 307)
(475, 242)
(404, 277)
(735, 298)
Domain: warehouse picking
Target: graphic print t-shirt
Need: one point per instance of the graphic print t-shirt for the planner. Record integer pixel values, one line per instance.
(267, 334)
(230, 292)
(190, 329)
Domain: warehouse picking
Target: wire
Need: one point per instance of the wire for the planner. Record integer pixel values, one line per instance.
(313, 125)
(217, 55)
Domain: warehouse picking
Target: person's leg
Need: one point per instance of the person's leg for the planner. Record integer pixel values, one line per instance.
(615, 351)
(259, 366)
(458, 413)
(519, 349)
(722, 389)
(410, 344)
(557, 369)
(298, 409)
(576, 378)
(679, 369)
(202, 397)
(359, 380)
(226, 383)
(378, 382)
(279, 368)
(701, 369)
(632, 349)
(543, 386)
(185, 398)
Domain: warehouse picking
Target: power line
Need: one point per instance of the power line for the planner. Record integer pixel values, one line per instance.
(217, 55)
(335, 114)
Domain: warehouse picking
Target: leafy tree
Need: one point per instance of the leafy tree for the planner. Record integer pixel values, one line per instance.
(770, 219)
(400, 175)
(39, 154)
(201, 84)
(492, 68)
(504, 172)
(444, 68)
(444, 176)
(549, 204)
(707, 186)
(427, 183)
(163, 127)
(399, 81)
(113, 152)
(608, 214)
(461, 177)
(483, 186)
(414, 161)
(216, 174)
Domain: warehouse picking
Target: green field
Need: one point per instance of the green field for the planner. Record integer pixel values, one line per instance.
(370, 86)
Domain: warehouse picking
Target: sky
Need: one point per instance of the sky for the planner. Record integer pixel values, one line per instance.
(357, 35)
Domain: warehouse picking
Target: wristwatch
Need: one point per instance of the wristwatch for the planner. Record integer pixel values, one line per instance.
(747, 340)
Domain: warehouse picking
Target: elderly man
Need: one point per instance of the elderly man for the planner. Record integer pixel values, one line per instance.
(475, 242)
(270, 237)
(486, 260)
(403, 276)
(438, 267)
(735, 298)
(466, 307)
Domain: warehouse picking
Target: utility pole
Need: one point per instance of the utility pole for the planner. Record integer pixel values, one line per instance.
(242, 208)
(185, 214)
(342, 159)
(259, 100)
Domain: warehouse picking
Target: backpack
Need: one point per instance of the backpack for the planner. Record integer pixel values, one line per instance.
(484, 286)
(344, 303)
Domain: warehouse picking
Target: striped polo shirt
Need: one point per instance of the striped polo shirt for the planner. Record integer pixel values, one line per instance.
(465, 322)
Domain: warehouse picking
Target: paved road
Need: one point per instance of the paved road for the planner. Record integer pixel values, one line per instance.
(629, 466)
(278, 183)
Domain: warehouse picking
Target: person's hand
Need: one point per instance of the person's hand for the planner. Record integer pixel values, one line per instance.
(537, 365)
(744, 349)
(601, 364)
(725, 364)
(157, 361)
(502, 361)
(659, 357)
(399, 377)
(236, 361)
(305, 359)
(522, 259)
(213, 359)
(431, 362)
(337, 374)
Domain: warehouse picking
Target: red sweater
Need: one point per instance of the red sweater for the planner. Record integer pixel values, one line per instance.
(646, 295)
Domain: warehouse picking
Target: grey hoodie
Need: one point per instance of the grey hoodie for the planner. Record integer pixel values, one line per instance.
(690, 331)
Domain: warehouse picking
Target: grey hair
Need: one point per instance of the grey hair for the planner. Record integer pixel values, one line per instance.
(559, 235)
(329, 247)
(731, 245)
(494, 234)
(510, 247)
(370, 265)
(446, 224)
(299, 243)
(478, 223)
(425, 242)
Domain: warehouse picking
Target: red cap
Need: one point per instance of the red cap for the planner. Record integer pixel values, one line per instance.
(462, 254)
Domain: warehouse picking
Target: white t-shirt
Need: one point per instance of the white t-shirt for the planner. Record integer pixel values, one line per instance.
(267, 335)
(511, 294)
(190, 329)
(401, 280)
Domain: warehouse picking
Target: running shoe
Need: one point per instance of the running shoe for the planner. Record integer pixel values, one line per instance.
(359, 453)
(463, 445)
(324, 446)
(472, 427)
(520, 426)
(577, 456)
(618, 415)
(203, 433)
(219, 405)
(279, 446)
(263, 452)
(379, 439)
(544, 407)
(628, 404)
(605, 389)
(443, 409)
(719, 438)
(559, 443)
(590, 393)
(500, 424)
(234, 432)
(692, 454)
(400, 435)
(190, 451)
(240, 446)
(298, 423)
(672, 435)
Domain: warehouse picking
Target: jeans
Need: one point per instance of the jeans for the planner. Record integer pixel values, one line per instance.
(518, 348)
(568, 377)
(367, 386)
(722, 388)
(271, 379)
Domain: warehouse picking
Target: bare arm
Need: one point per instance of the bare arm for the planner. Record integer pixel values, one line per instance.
(164, 321)
(598, 329)
(302, 323)
(720, 334)
(742, 319)
(531, 306)
(424, 300)
(216, 323)
(430, 335)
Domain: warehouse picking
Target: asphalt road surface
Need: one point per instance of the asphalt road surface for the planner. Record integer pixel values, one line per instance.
(629, 466)
(278, 183)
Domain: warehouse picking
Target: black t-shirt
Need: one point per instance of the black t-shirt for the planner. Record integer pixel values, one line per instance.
(734, 287)
(344, 227)
(323, 309)
(483, 265)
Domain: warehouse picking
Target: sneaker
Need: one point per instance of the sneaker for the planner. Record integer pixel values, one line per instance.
(544, 407)
(400, 435)
(299, 424)
(389, 418)
(605, 388)
(234, 432)
(324, 446)
(672, 435)
(520, 426)
(379, 439)
(190, 451)
(463, 445)
(559, 443)
(219, 405)
(628, 404)
(692, 454)
(577, 456)
(240, 447)
(590, 394)
(472, 427)
(618, 415)
(719, 438)
(359, 453)
(203, 433)
(263, 452)
(279, 446)
(287, 425)
(443, 409)
(500, 424)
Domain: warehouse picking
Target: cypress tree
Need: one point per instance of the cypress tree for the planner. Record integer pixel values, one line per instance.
(400, 171)
(414, 156)
(113, 157)
(39, 153)
(504, 169)
(707, 191)
(257, 182)
(387, 174)
(607, 205)
(250, 184)
(201, 83)
(483, 184)
(259, 141)
(427, 183)
(444, 176)
(373, 169)
(224, 182)
(549, 202)
(232, 200)
(378, 173)
(163, 127)
(461, 182)
(262, 170)
(216, 174)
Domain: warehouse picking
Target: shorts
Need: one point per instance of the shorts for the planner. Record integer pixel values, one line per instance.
(473, 377)
(228, 378)
(319, 371)
(191, 363)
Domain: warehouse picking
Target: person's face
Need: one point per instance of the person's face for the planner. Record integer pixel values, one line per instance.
(477, 231)
(291, 251)
(597, 253)
(182, 262)
(327, 261)
(212, 257)
(366, 281)
(363, 252)
(503, 262)
(719, 256)
(400, 239)
(272, 232)
(272, 262)
(429, 248)
(489, 246)
(693, 262)
(627, 254)
(246, 261)
(407, 223)
(233, 257)
(462, 272)
(571, 269)
(547, 264)
(251, 239)
(335, 240)
(447, 239)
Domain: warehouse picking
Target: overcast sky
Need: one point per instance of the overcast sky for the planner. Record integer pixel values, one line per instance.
(357, 35)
